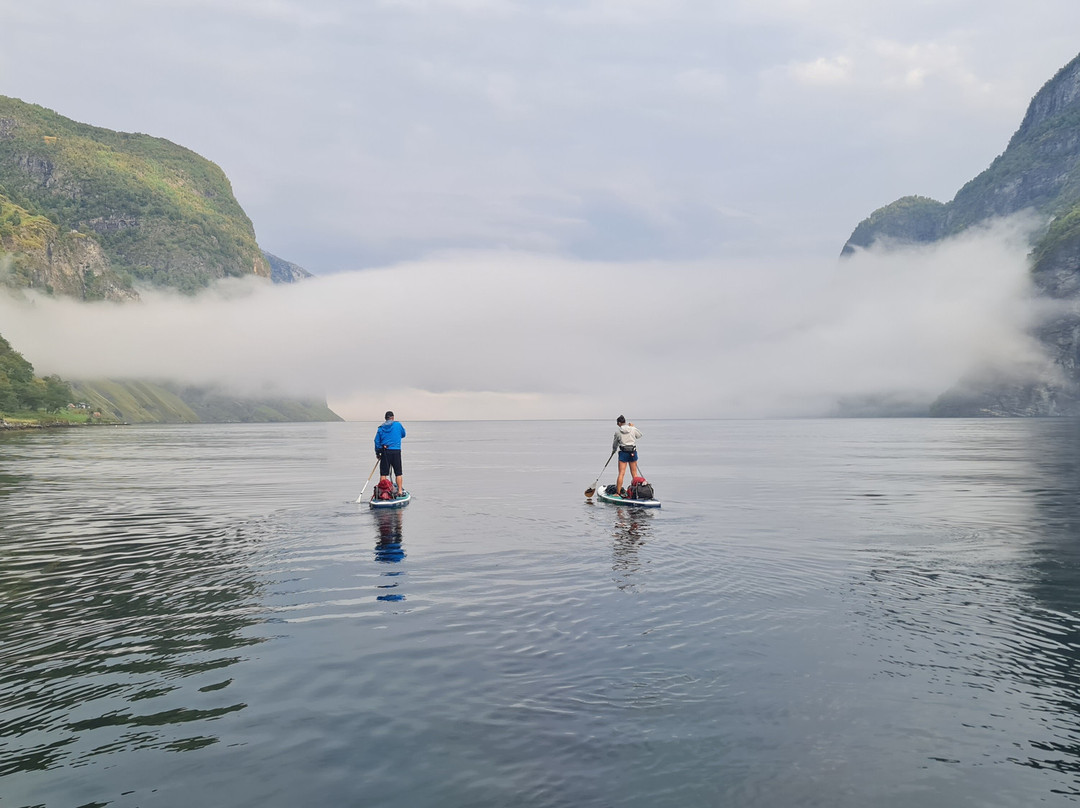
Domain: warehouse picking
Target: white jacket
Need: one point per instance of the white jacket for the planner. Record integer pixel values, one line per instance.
(625, 438)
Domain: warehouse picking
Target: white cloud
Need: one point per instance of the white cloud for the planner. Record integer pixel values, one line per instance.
(910, 66)
(888, 65)
(824, 71)
(511, 335)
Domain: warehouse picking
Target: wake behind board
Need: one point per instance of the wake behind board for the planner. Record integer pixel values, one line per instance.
(398, 502)
(615, 499)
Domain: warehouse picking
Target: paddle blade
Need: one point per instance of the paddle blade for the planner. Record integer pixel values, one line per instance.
(590, 491)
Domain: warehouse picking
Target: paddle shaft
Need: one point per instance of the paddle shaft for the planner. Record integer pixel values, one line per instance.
(592, 489)
(362, 490)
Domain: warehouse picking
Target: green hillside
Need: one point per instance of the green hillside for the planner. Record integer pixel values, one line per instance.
(26, 397)
(93, 214)
(140, 402)
(911, 218)
(1039, 171)
(160, 213)
(1039, 174)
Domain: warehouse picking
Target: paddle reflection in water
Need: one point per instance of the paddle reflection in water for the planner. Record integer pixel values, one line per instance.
(632, 527)
(390, 550)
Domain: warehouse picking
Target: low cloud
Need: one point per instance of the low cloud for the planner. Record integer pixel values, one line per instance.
(508, 335)
(835, 70)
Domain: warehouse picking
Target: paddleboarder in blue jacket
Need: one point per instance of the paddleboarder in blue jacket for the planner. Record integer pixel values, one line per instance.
(388, 449)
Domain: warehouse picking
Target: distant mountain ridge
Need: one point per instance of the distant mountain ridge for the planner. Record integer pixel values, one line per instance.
(282, 271)
(1040, 171)
(91, 213)
(140, 402)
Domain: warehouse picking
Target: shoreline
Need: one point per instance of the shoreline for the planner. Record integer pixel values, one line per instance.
(18, 426)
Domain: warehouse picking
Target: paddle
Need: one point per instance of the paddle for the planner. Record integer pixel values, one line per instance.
(362, 490)
(592, 488)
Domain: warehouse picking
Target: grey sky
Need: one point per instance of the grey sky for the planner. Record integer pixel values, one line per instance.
(515, 164)
(361, 133)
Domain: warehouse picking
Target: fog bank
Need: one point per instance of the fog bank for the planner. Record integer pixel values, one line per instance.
(508, 335)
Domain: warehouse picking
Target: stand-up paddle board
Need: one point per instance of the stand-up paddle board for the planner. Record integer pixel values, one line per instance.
(397, 502)
(615, 499)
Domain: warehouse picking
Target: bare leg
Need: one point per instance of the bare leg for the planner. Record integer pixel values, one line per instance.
(633, 469)
(622, 473)
(400, 485)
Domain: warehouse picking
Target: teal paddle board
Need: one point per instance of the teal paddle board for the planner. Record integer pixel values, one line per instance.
(615, 499)
(399, 502)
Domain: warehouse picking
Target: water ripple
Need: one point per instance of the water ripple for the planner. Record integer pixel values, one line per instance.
(822, 614)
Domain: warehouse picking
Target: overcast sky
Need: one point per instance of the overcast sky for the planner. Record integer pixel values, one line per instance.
(720, 147)
(361, 133)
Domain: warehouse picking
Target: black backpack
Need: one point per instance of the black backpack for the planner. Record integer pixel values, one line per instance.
(640, 491)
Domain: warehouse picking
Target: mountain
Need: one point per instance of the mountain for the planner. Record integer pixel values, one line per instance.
(92, 213)
(1039, 171)
(141, 402)
(282, 271)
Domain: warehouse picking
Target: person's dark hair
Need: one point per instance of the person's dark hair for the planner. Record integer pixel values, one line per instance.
(620, 420)
(389, 415)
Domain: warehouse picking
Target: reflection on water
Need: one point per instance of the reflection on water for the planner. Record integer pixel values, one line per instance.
(631, 529)
(117, 635)
(836, 613)
(1045, 648)
(992, 604)
(389, 549)
(10, 483)
(121, 612)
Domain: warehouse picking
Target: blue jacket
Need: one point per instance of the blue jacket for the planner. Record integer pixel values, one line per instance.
(389, 435)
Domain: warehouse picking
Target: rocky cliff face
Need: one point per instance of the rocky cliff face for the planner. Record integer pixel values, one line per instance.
(35, 254)
(1040, 171)
(72, 266)
(1039, 168)
(1058, 96)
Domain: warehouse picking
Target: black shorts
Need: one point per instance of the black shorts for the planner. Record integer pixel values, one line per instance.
(390, 458)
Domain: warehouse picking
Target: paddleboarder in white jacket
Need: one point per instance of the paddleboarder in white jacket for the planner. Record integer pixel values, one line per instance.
(625, 443)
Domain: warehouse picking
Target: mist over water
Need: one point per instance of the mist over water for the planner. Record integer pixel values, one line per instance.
(509, 335)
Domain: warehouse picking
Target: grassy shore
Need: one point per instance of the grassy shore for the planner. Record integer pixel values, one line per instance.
(43, 420)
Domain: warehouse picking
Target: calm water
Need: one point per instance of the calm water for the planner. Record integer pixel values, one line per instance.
(824, 613)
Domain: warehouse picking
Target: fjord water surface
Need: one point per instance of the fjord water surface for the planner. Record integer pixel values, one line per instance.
(823, 613)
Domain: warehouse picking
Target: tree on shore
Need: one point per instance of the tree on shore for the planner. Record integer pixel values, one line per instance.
(21, 390)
